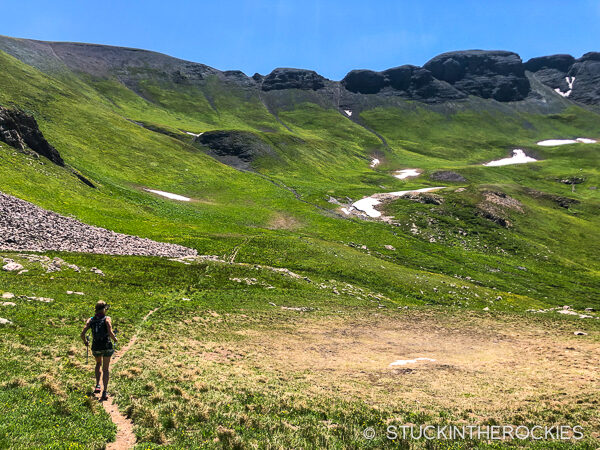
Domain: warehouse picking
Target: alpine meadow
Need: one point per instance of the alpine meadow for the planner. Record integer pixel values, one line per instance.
(296, 262)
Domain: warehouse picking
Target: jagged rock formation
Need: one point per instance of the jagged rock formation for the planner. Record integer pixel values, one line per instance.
(21, 131)
(488, 74)
(407, 81)
(577, 79)
(551, 70)
(235, 148)
(283, 78)
(26, 227)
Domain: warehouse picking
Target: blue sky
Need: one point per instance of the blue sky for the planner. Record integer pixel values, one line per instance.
(329, 36)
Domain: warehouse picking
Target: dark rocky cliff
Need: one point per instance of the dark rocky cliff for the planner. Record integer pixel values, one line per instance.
(488, 74)
(21, 131)
(576, 79)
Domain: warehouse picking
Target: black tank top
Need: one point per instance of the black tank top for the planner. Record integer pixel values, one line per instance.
(100, 337)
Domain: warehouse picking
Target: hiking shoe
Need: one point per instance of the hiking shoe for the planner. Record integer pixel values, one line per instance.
(104, 396)
(97, 389)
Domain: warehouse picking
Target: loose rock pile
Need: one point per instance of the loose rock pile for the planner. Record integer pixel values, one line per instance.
(26, 227)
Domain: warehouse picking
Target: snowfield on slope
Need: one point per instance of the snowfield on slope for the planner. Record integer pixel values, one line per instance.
(169, 195)
(555, 142)
(518, 157)
(367, 204)
(406, 173)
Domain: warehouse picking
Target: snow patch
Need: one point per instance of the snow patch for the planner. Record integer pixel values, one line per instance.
(570, 81)
(194, 134)
(374, 162)
(347, 211)
(367, 204)
(405, 173)
(416, 191)
(169, 195)
(555, 142)
(403, 362)
(561, 93)
(518, 157)
(4, 321)
(348, 112)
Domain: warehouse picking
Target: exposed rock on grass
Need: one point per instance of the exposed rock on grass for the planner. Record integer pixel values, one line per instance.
(495, 205)
(425, 198)
(12, 266)
(447, 175)
(24, 226)
(235, 148)
(563, 202)
(572, 180)
(21, 131)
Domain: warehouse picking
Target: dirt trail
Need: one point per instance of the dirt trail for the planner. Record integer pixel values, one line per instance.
(125, 438)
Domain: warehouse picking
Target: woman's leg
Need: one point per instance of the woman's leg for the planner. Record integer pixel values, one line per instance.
(105, 371)
(98, 367)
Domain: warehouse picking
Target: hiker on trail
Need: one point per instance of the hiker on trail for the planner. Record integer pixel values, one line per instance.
(102, 347)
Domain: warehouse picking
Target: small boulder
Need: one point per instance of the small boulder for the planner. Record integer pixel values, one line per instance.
(97, 271)
(12, 267)
(8, 295)
(5, 321)
(580, 333)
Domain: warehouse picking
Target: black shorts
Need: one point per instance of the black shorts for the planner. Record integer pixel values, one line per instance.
(103, 349)
(107, 352)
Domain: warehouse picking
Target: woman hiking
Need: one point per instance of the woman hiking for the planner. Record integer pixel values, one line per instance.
(102, 347)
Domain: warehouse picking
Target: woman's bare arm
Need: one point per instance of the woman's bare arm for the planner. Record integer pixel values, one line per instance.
(85, 328)
(110, 330)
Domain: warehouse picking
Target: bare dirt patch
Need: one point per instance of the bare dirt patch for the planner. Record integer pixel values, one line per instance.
(482, 368)
(281, 221)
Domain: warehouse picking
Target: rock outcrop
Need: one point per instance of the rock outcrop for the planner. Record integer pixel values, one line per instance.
(26, 227)
(234, 148)
(488, 74)
(20, 130)
(585, 73)
(447, 175)
(283, 78)
(577, 79)
(410, 82)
